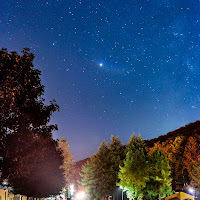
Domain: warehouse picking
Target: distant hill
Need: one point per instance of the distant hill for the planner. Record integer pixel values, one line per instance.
(182, 148)
(188, 130)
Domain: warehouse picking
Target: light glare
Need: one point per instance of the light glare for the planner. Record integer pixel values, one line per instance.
(191, 190)
(80, 195)
(72, 189)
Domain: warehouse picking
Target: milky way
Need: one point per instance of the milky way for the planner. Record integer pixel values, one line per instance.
(114, 67)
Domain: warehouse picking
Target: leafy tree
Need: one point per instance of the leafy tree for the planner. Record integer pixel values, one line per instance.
(159, 183)
(24, 118)
(182, 153)
(195, 175)
(191, 152)
(33, 164)
(182, 149)
(135, 172)
(101, 172)
(21, 102)
(68, 165)
(144, 175)
(89, 178)
(175, 150)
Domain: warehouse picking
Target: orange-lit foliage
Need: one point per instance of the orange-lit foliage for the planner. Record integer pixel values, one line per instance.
(192, 152)
(182, 148)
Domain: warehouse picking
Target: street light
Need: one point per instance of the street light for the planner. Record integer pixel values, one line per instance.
(71, 190)
(192, 191)
(122, 192)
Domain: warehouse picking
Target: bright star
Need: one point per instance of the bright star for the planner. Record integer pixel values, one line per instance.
(100, 64)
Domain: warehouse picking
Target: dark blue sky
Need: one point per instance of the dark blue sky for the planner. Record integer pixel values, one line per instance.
(113, 66)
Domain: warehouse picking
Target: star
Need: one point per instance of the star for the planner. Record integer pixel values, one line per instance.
(122, 66)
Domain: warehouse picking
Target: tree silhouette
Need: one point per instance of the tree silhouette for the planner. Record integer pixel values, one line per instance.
(24, 124)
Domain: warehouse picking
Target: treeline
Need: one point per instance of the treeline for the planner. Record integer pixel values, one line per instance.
(32, 163)
(182, 148)
(141, 174)
(145, 169)
(188, 130)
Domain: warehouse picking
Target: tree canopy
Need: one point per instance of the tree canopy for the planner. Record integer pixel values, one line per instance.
(144, 175)
(195, 175)
(32, 165)
(100, 174)
(159, 183)
(27, 149)
(133, 174)
(68, 164)
(182, 152)
(172, 163)
(21, 102)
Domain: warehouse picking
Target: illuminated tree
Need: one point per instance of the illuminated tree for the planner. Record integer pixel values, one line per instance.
(191, 151)
(174, 149)
(159, 183)
(195, 175)
(144, 175)
(100, 174)
(89, 181)
(182, 148)
(134, 173)
(68, 165)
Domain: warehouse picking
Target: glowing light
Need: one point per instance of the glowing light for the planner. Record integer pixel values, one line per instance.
(101, 64)
(72, 189)
(80, 195)
(191, 190)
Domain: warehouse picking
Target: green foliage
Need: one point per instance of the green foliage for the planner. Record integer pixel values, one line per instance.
(134, 174)
(100, 174)
(144, 175)
(159, 183)
(182, 150)
(88, 180)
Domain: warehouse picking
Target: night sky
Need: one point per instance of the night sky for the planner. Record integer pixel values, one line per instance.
(113, 66)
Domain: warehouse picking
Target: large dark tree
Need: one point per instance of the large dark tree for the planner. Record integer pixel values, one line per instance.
(32, 165)
(24, 121)
(21, 102)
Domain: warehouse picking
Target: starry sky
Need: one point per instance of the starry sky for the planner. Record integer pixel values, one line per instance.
(113, 66)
